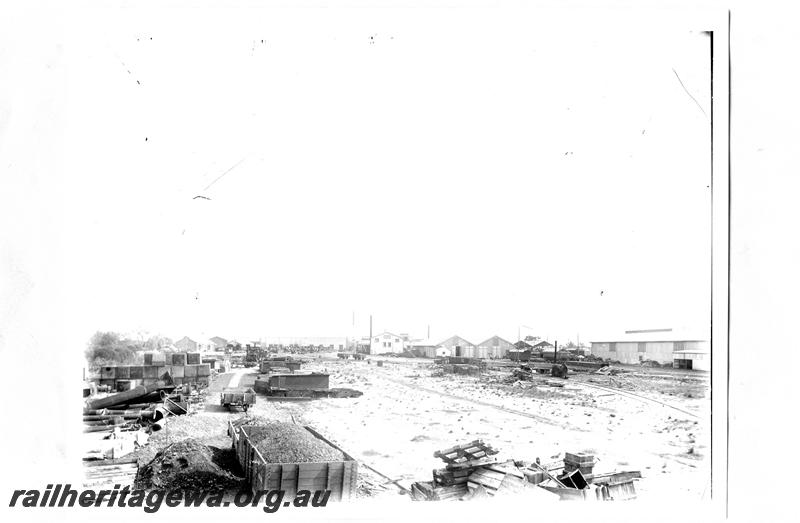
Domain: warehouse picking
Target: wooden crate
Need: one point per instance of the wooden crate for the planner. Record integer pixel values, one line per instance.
(122, 373)
(340, 477)
(137, 372)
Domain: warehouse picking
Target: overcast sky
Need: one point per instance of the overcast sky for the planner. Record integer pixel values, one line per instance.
(473, 170)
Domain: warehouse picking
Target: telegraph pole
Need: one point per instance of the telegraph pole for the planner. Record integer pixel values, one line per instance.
(555, 352)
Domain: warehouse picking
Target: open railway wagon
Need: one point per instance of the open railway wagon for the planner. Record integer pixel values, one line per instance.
(237, 397)
(339, 474)
(308, 385)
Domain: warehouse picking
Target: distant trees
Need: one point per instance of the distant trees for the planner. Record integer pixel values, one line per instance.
(157, 343)
(112, 348)
(109, 348)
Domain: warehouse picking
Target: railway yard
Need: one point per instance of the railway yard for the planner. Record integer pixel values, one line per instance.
(410, 408)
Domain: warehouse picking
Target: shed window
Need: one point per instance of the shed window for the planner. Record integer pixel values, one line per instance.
(641, 347)
(612, 347)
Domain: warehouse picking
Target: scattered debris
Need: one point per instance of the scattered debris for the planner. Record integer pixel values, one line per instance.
(470, 472)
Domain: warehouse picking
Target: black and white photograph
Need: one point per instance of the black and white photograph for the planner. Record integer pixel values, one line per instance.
(350, 261)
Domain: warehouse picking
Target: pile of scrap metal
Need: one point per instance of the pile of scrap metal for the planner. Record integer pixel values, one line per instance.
(586, 366)
(608, 370)
(533, 370)
(460, 368)
(142, 406)
(471, 471)
(576, 479)
(460, 360)
(354, 355)
(280, 364)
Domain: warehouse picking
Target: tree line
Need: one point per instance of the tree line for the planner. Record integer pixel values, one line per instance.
(112, 348)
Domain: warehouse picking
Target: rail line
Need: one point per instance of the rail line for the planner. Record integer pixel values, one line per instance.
(541, 419)
(640, 398)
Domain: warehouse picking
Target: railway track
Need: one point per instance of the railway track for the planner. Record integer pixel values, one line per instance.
(541, 419)
(639, 397)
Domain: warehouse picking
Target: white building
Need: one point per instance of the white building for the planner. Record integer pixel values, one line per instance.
(642, 345)
(387, 343)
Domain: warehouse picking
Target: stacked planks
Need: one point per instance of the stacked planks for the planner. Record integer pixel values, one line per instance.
(490, 477)
(119, 474)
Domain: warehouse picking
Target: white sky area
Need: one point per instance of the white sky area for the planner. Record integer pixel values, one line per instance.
(474, 170)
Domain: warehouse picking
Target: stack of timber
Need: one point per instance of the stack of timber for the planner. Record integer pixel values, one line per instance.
(472, 454)
(490, 477)
(429, 491)
(471, 472)
(582, 461)
(452, 481)
(120, 474)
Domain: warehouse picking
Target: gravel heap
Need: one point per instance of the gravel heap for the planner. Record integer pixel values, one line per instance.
(187, 465)
(289, 443)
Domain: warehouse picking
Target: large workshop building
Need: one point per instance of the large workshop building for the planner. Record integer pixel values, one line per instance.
(494, 347)
(458, 346)
(661, 345)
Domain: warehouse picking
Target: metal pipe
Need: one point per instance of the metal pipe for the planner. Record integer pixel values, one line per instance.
(122, 397)
(102, 428)
(103, 412)
(113, 420)
(106, 417)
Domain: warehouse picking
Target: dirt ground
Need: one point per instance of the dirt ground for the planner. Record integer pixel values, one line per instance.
(409, 410)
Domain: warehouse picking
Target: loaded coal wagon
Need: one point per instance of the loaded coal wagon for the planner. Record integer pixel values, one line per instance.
(289, 457)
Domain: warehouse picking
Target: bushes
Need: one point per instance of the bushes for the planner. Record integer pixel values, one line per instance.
(109, 348)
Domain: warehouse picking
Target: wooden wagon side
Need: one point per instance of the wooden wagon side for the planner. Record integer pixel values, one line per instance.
(340, 477)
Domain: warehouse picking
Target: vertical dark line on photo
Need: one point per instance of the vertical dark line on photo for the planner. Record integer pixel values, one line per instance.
(711, 352)
(711, 239)
(728, 341)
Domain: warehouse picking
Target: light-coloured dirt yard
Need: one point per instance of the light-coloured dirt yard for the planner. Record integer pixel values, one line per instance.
(407, 412)
(410, 409)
